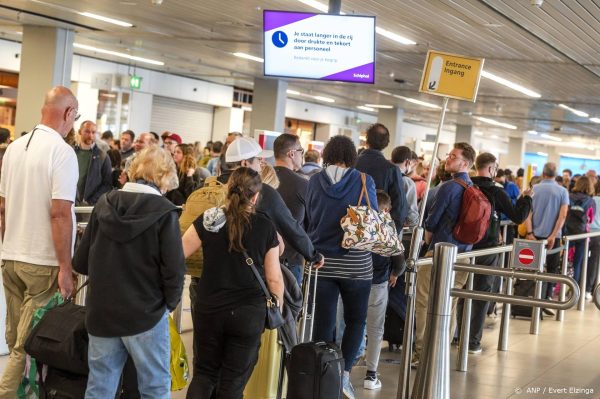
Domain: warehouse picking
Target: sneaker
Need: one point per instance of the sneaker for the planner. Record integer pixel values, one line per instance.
(414, 363)
(548, 312)
(475, 350)
(588, 296)
(348, 389)
(372, 382)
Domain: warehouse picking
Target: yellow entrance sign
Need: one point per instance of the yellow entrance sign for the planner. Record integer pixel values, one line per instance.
(451, 75)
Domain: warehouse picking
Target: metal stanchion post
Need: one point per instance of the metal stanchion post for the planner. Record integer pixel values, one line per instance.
(534, 329)
(583, 272)
(82, 294)
(560, 315)
(433, 374)
(465, 330)
(503, 255)
(505, 321)
(409, 324)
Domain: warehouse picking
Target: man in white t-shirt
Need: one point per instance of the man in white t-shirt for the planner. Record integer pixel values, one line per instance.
(37, 192)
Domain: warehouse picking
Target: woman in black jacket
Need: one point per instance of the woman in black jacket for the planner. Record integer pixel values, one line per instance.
(132, 253)
(189, 177)
(229, 308)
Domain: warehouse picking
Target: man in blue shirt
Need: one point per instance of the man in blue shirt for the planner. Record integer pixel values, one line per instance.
(443, 215)
(550, 207)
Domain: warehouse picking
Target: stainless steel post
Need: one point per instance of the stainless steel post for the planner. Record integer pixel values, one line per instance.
(505, 321)
(465, 330)
(410, 278)
(335, 6)
(560, 315)
(503, 255)
(583, 274)
(433, 374)
(534, 328)
(82, 294)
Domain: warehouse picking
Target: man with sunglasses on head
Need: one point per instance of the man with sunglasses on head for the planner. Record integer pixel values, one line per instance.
(37, 192)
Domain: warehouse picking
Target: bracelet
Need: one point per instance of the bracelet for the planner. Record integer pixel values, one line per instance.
(530, 232)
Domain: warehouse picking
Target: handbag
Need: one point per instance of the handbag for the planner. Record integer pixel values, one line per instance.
(366, 229)
(180, 371)
(274, 317)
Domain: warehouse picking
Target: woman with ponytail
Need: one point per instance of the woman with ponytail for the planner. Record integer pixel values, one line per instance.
(230, 307)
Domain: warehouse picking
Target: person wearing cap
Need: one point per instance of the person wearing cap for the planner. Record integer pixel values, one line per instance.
(248, 153)
(171, 142)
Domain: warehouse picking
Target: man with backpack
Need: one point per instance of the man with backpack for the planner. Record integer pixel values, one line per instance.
(550, 207)
(501, 202)
(443, 219)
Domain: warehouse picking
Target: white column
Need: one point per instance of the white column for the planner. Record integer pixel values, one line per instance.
(392, 119)
(464, 134)
(268, 105)
(46, 59)
(516, 153)
(226, 120)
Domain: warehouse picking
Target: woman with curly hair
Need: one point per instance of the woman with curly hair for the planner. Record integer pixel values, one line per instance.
(346, 272)
(189, 177)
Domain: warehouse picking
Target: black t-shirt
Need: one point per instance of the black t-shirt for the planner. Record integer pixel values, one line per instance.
(227, 282)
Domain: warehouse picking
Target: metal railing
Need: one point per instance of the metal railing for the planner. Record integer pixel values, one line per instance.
(433, 374)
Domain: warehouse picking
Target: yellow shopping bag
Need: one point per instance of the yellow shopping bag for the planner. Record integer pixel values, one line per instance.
(179, 364)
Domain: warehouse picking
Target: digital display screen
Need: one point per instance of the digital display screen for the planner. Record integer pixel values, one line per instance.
(319, 46)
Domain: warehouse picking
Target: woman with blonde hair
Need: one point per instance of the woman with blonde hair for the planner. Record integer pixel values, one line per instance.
(189, 176)
(229, 308)
(131, 250)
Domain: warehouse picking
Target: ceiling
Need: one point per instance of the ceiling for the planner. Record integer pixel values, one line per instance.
(553, 49)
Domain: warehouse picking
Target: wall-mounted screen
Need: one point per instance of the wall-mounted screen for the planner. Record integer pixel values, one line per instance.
(319, 46)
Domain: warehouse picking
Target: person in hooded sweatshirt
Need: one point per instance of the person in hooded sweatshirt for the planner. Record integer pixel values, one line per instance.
(346, 272)
(229, 308)
(132, 252)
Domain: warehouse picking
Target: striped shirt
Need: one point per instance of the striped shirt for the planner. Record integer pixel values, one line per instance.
(356, 265)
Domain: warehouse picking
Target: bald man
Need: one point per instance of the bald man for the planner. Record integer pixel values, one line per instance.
(37, 192)
(95, 170)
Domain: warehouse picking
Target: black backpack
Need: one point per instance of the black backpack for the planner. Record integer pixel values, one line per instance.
(577, 218)
(492, 234)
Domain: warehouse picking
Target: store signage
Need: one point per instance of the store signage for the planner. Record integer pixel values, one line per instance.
(451, 75)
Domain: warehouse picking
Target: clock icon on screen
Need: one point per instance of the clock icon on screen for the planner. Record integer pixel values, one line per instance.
(279, 39)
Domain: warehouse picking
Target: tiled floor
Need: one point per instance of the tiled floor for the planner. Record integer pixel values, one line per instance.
(563, 358)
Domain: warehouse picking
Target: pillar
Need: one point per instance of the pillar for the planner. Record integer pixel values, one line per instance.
(464, 134)
(226, 120)
(392, 119)
(514, 158)
(46, 59)
(268, 105)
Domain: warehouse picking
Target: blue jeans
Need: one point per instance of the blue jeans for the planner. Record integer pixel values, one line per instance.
(150, 352)
(355, 297)
(340, 327)
(297, 271)
(578, 258)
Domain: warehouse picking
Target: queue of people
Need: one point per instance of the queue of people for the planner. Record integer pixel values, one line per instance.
(134, 253)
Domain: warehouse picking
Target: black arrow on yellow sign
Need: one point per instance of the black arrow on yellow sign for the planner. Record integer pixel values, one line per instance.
(432, 85)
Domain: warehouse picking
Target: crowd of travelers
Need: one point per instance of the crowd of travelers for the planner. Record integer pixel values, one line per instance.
(282, 217)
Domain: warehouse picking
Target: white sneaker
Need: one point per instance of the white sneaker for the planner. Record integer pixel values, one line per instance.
(348, 389)
(588, 296)
(372, 383)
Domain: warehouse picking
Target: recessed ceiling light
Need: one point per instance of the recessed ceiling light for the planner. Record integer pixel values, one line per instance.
(575, 111)
(510, 84)
(326, 99)
(293, 92)
(364, 108)
(543, 154)
(549, 137)
(382, 106)
(117, 54)
(249, 57)
(106, 19)
(495, 122)
(595, 120)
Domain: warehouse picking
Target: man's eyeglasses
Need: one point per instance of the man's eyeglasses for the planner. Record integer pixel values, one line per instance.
(452, 157)
(77, 117)
(300, 150)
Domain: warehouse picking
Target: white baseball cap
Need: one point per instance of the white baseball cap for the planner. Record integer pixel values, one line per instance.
(245, 148)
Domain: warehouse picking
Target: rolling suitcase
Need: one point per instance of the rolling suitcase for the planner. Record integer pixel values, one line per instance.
(524, 288)
(315, 369)
(266, 381)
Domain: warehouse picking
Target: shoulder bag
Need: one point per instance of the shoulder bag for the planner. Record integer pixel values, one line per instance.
(274, 317)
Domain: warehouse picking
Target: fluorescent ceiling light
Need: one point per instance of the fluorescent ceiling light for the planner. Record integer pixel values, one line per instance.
(510, 84)
(106, 19)
(573, 110)
(326, 99)
(549, 137)
(418, 102)
(293, 92)
(532, 132)
(495, 122)
(542, 153)
(249, 57)
(383, 32)
(117, 54)
(379, 106)
(394, 36)
(595, 120)
(364, 108)
(495, 136)
(384, 92)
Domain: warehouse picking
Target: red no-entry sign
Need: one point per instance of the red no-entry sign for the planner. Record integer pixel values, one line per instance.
(526, 256)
